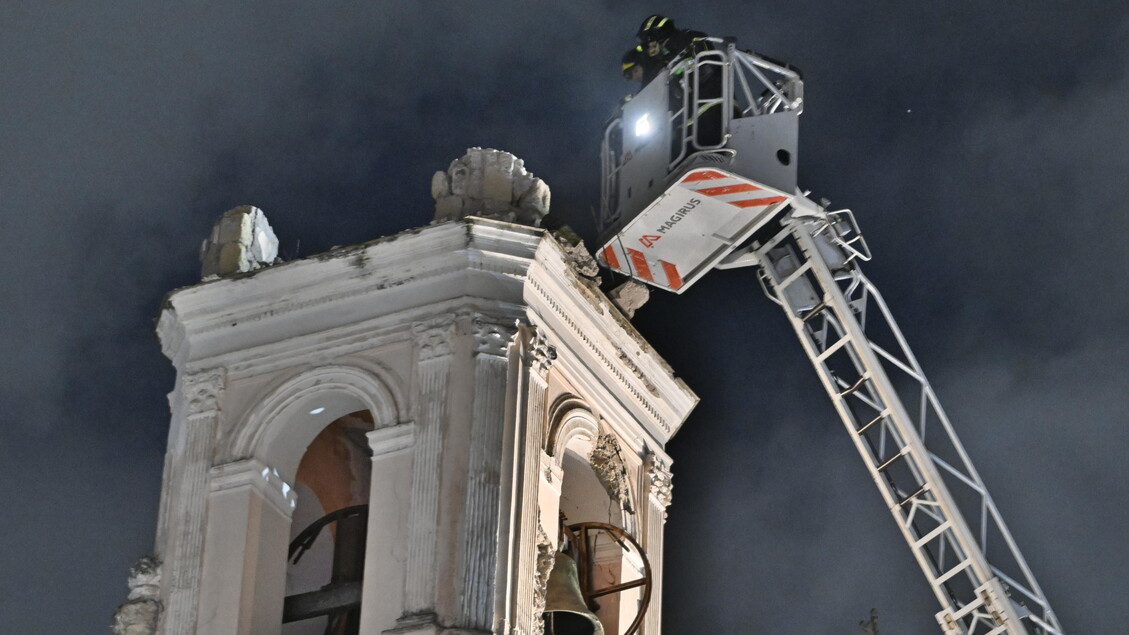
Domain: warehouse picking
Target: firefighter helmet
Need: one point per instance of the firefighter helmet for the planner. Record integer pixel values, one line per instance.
(656, 28)
(633, 59)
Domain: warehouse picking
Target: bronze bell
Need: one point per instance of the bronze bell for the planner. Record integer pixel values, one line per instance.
(566, 612)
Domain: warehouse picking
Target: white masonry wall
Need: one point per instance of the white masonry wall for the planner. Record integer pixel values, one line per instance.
(481, 355)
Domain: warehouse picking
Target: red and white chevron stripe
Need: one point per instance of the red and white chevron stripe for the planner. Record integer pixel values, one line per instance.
(665, 274)
(676, 238)
(729, 189)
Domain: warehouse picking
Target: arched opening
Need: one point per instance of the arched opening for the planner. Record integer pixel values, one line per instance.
(301, 451)
(595, 492)
(328, 530)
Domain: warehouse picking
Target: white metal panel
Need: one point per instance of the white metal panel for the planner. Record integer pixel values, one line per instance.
(703, 216)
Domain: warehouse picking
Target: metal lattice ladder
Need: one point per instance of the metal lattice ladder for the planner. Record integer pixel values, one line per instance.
(811, 269)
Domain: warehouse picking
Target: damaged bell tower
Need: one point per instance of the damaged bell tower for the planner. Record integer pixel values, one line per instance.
(429, 433)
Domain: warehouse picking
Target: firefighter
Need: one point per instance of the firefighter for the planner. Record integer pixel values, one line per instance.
(665, 44)
(637, 67)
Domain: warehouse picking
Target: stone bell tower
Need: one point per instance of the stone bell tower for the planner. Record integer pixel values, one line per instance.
(385, 437)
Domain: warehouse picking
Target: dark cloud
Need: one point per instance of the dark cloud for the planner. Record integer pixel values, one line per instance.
(982, 148)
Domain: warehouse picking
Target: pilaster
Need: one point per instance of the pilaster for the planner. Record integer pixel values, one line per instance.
(480, 512)
(243, 579)
(529, 592)
(434, 345)
(388, 539)
(658, 485)
(191, 458)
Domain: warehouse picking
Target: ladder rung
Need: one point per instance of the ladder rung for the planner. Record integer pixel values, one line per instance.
(924, 540)
(792, 277)
(830, 350)
(900, 454)
(961, 566)
(814, 311)
(912, 496)
(862, 430)
(858, 384)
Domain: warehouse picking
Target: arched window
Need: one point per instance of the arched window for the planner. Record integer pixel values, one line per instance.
(596, 489)
(328, 530)
(303, 451)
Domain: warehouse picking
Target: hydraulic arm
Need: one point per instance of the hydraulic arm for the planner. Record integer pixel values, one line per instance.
(675, 208)
(811, 268)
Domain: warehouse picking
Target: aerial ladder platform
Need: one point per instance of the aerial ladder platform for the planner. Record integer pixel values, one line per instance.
(679, 200)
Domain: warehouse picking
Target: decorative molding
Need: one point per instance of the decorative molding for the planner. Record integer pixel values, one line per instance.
(202, 391)
(657, 480)
(606, 460)
(276, 309)
(599, 353)
(434, 338)
(145, 579)
(490, 337)
(638, 372)
(527, 595)
(660, 484)
(141, 612)
(541, 354)
(569, 418)
(391, 439)
(266, 421)
(253, 473)
(436, 252)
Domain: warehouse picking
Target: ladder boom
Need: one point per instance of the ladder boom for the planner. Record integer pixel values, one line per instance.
(874, 380)
(678, 203)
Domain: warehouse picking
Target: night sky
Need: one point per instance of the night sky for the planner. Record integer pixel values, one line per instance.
(982, 146)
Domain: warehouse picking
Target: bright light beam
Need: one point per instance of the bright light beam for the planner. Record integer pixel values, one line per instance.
(643, 125)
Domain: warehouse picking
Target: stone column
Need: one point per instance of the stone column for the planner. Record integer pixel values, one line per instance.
(528, 589)
(434, 343)
(196, 417)
(248, 530)
(657, 480)
(387, 544)
(480, 532)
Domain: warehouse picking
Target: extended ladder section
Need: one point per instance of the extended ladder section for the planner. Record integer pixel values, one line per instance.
(682, 198)
(811, 268)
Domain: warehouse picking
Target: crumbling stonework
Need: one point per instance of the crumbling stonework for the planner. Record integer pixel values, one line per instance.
(607, 462)
(139, 615)
(576, 253)
(241, 240)
(491, 184)
(546, 557)
(629, 296)
(495, 184)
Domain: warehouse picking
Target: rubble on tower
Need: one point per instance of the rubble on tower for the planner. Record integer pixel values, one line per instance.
(491, 184)
(241, 240)
(494, 184)
(629, 296)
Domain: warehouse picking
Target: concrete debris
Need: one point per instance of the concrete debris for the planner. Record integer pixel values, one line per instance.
(490, 184)
(241, 240)
(629, 296)
(577, 255)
